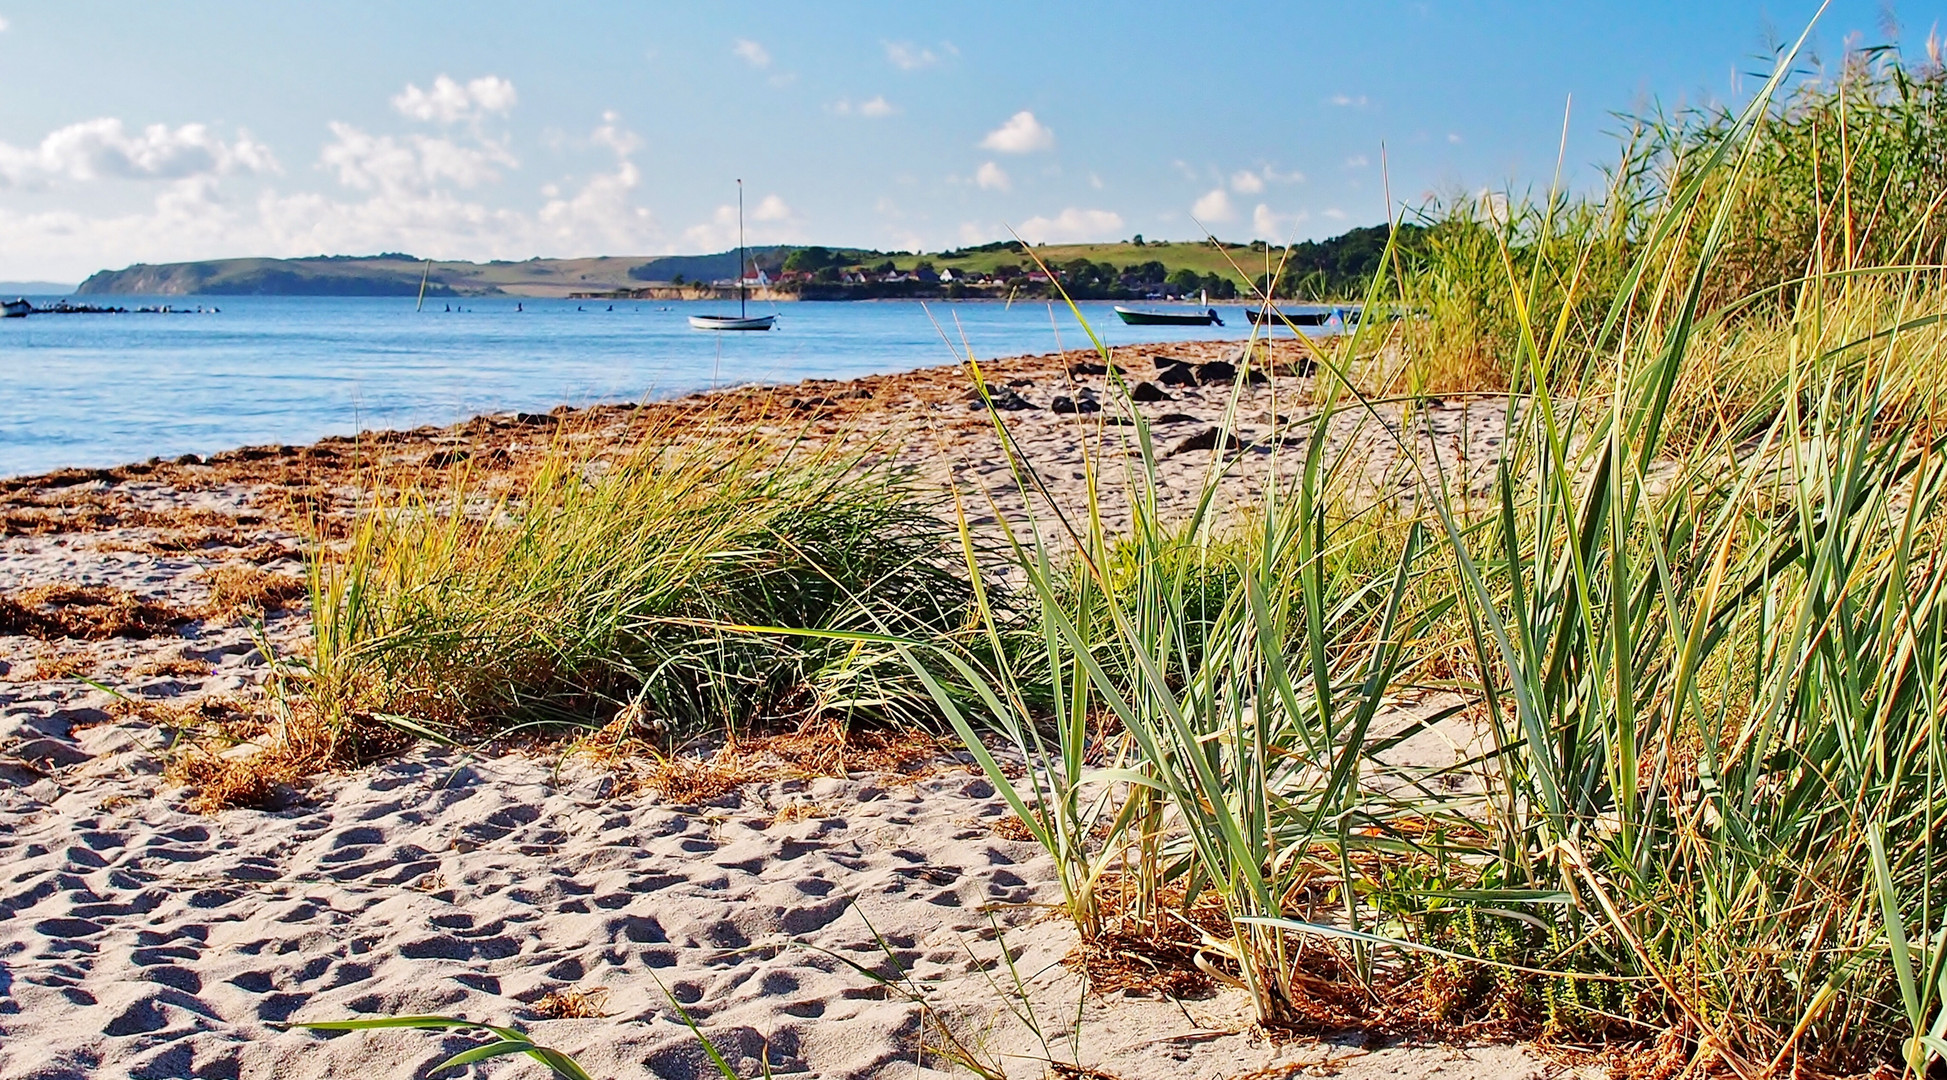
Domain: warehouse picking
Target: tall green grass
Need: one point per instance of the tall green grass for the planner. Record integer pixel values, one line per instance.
(1843, 174)
(1708, 656)
(598, 587)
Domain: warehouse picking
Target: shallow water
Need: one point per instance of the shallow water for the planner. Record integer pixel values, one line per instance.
(97, 390)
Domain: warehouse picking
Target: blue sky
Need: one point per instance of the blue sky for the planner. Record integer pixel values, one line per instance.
(148, 133)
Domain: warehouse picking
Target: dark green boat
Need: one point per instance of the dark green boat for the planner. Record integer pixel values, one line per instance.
(1168, 318)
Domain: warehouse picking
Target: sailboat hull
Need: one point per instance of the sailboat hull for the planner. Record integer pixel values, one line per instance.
(732, 322)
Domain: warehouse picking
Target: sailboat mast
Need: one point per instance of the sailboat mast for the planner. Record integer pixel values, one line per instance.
(741, 313)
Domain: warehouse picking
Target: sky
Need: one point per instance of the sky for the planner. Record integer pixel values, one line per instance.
(163, 132)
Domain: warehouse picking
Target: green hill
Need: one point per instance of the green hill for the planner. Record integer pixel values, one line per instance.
(1339, 266)
(392, 274)
(1335, 267)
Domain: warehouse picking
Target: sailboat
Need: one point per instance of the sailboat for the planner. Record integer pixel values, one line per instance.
(743, 320)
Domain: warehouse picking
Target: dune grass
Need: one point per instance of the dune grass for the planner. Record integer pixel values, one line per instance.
(598, 588)
(1704, 609)
(1840, 177)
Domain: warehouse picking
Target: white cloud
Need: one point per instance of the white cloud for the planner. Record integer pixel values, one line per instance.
(872, 109)
(449, 101)
(992, 177)
(194, 219)
(1246, 182)
(413, 163)
(751, 53)
(907, 56)
(1213, 206)
(1453, 137)
(771, 208)
(1347, 101)
(103, 149)
(1274, 176)
(1021, 134)
(1357, 161)
(3, 24)
(600, 217)
(404, 194)
(717, 234)
(614, 136)
(774, 217)
(1335, 214)
(1270, 225)
(1072, 225)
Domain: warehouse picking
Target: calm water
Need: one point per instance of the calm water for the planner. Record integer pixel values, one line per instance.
(95, 390)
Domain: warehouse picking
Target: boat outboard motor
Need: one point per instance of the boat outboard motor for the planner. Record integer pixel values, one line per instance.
(1215, 318)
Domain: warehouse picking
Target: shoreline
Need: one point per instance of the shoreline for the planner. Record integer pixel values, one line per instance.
(105, 407)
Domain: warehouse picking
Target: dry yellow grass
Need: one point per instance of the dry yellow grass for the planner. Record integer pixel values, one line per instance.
(52, 666)
(573, 1004)
(796, 812)
(238, 588)
(815, 749)
(172, 667)
(222, 782)
(87, 612)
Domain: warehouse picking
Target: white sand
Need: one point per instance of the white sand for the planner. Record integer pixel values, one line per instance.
(138, 939)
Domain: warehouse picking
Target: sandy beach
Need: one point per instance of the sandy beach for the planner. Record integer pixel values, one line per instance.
(142, 937)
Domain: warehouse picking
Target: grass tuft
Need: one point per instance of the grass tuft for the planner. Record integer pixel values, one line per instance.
(240, 589)
(602, 585)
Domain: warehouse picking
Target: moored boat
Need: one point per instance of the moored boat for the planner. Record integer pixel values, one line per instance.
(1263, 317)
(732, 322)
(1333, 320)
(16, 309)
(1168, 318)
(743, 320)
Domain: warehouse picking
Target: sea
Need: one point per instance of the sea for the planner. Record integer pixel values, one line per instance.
(103, 390)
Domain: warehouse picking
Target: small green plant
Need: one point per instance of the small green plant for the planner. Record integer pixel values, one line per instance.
(507, 1040)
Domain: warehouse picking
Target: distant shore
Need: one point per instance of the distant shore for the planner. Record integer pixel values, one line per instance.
(1134, 269)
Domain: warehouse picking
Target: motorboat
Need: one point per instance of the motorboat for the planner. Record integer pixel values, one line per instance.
(1168, 318)
(1329, 320)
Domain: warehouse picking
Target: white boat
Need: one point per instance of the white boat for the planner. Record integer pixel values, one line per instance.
(743, 320)
(732, 322)
(16, 309)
